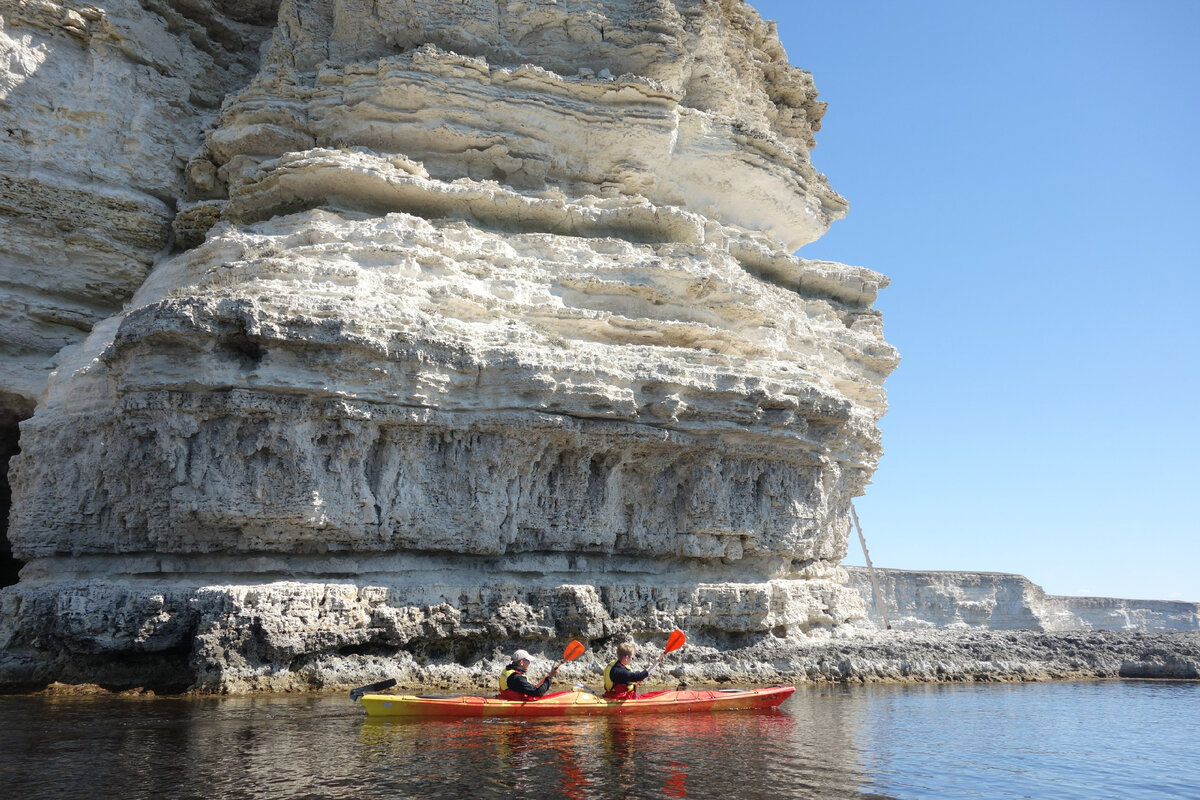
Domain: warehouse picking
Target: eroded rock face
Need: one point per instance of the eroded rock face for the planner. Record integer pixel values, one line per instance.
(663, 107)
(101, 106)
(485, 332)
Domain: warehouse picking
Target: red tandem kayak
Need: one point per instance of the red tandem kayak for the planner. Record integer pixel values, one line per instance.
(573, 703)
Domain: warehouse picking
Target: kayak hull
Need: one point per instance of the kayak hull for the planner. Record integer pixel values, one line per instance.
(574, 703)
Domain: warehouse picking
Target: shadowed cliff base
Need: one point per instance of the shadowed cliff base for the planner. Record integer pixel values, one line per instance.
(877, 657)
(12, 411)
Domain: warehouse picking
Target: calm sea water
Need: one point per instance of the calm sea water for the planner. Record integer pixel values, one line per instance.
(1089, 741)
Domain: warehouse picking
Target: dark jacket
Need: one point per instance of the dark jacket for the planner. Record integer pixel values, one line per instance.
(619, 681)
(627, 676)
(517, 682)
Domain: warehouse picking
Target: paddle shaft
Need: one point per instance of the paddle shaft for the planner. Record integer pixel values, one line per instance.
(355, 694)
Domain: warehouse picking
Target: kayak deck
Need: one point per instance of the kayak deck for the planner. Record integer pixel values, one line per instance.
(572, 703)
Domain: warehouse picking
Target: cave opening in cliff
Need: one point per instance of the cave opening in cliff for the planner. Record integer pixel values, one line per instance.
(10, 433)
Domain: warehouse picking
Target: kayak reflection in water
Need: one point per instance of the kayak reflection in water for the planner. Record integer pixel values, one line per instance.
(620, 682)
(515, 686)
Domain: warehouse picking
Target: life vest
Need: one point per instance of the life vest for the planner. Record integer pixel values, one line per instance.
(617, 691)
(507, 693)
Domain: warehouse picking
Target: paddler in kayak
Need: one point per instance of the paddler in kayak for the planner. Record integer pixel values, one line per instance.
(620, 682)
(515, 686)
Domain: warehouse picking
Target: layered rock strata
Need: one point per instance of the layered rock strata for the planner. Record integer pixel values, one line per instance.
(101, 106)
(911, 599)
(483, 330)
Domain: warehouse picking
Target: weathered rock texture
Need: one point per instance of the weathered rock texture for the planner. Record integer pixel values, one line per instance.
(481, 327)
(925, 599)
(100, 108)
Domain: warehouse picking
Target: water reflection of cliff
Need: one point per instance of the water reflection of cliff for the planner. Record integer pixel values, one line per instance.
(808, 751)
(323, 747)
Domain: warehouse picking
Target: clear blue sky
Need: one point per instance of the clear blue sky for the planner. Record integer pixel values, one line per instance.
(1028, 175)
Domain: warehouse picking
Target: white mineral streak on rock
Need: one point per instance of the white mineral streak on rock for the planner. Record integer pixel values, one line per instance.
(471, 344)
(998, 601)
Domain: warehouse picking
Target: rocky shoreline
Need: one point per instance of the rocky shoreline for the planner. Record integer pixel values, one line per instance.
(986, 655)
(881, 657)
(958, 656)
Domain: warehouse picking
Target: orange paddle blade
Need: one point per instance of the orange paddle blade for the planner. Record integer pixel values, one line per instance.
(675, 641)
(574, 650)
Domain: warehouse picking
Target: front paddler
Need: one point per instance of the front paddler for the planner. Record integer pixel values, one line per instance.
(620, 682)
(515, 686)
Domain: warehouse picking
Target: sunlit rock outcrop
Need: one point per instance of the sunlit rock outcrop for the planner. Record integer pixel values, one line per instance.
(921, 599)
(482, 327)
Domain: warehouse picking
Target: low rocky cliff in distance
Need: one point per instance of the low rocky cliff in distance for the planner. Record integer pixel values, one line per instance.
(996, 601)
(458, 326)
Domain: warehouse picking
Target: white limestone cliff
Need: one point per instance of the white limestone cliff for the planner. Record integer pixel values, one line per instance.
(481, 326)
(923, 599)
(101, 105)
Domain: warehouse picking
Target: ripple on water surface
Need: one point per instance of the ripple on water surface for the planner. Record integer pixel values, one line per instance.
(1052, 740)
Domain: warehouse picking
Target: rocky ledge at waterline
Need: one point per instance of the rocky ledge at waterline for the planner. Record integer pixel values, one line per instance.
(304, 636)
(990, 655)
(872, 656)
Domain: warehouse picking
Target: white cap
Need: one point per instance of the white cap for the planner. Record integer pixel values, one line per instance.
(521, 655)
